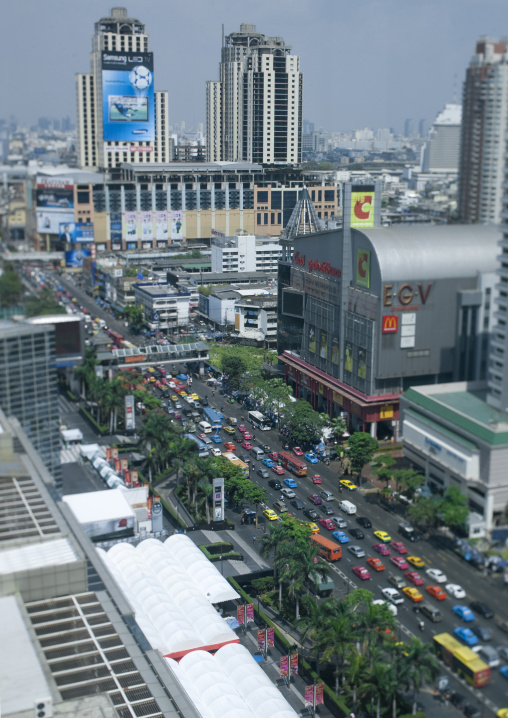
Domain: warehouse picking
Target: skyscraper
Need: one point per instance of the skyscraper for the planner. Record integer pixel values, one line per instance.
(442, 149)
(484, 133)
(254, 111)
(120, 118)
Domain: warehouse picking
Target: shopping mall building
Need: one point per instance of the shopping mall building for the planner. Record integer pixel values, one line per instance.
(365, 312)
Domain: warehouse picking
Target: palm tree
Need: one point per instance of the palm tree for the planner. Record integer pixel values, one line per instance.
(423, 664)
(87, 370)
(304, 566)
(356, 674)
(375, 680)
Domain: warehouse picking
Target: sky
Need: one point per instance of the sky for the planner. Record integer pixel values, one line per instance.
(366, 63)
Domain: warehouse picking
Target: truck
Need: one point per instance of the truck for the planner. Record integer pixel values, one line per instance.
(214, 418)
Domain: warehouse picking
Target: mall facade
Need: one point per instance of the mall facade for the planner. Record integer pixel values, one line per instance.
(365, 312)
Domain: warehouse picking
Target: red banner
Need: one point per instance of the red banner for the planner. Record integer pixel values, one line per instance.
(270, 636)
(240, 614)
(294, 663)
(320, 693)
(149, 504)
(118, 465)
(125, 464)
(134, 477)
(114, 452)
(283, 666)
(250, 612)
(127, 477)
(108, 453)
(261, 639)
(309, 695)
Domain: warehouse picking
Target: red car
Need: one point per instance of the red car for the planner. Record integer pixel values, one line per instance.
(327, 524)
(314, 499)
(376, 564)
(316, 479)
(361, 572)
(297, 451)
(398, 546)
(246, 445)
(399, 562)
(273, 456)
(202, 436)
(381, 548)
(241, 428)
(278, 470)
(436, 592)
(229, 446)
(414, 577)
(247, 436)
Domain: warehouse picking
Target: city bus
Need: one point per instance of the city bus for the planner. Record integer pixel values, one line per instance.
(326, 548)
(238, 463)
(462, 659)
(259, 421)
(201, 446)
(292, 463)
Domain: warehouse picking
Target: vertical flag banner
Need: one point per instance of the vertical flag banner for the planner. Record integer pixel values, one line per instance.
(363, 268)
(261, 639)
(115, 452)
(294, 663)
(108, 453)
(240, 614)
(320, 693)
(250, 612)
(270, 637)
(284, 666)
(309, 695)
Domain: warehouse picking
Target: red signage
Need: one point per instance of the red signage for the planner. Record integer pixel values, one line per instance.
(134, 477)
(294, 663)
(315, 266)
(127, 477)
(115, 452)
(250, 612)
(299, 259)
(270, 637)
(125, 464)
(284, 666)
(118, 466)
(240, 614)
(390, 324)
(108, 453)
(261, 639)
(319, 693)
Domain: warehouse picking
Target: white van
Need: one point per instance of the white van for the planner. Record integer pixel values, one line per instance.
(205, 427)
(347, 507)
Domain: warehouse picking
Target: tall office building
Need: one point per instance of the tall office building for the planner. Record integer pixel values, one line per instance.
(120, 117)
(442, 149)
(408, 128)
(28, 387)
(254, 111)
(484, 133)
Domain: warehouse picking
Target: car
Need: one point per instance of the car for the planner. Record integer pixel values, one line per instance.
(482, 609)
(348, 484)
(173, 397)
(316, 479)
(194, 396)
(216, 439)
(503, 652)
(398, 546)
(202, 436)
(327, 495)
(177, 415)
(357, 533)
(383, 536)
(455, 590)
(245, 458)
(270, 514)
(465, 635)
(297, 504)
(291, 483)
(458, 700)
(311, 514)
(246, 445)
(228, 429)
(436, 575)
(463, 612)
(241, 428)
(288, 493)
(340, 536)
(339, 522)
(312, 526)
(361, 572)
(436, 592)
(327, 509)
(357, 551)
(391, 594)
(275, 484)
(381, 548)
(297, 451)
(216, 452)
(396, 581)
(364, 522)
(229, 446)
(278, 470)
(399, 562)
(327, 524)
(415, 561)
(247, 436)
(503, 712)
(280, 506)
(415, 578)
(483, 633)
(273, 455)
(376, 564)
(413, 594)
(178, 405)
(504, 671)
(314, 499)
(268, 462)
(263, 473)
(311, 457)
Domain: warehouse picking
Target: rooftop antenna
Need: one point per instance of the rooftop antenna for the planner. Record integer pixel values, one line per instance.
(223, 36)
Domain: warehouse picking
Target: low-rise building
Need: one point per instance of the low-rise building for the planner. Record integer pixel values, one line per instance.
(256, 320)
(164, 307)
(244, 253)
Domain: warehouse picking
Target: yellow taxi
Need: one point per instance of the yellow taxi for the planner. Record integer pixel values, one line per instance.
(382, 536)
(502, 713)
(312, 526)
(194, 396)
(415, 561)
(348, 484)
(270, 515)
(174, 397)
(412, 593)
(183, 393)
(229, 429)
(153, 379)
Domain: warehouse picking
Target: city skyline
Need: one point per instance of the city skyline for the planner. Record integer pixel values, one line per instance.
(378, 62)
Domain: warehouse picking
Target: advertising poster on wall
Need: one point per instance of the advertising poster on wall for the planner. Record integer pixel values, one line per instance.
(363, 268)
(128, 96)
(348, 357)
(161, 226)
(75, 232)
(362, 364)
(362, 207)
(75, 257)
(323, 345)
(177, 225)
(335, 350)
(146, 226)
(115, 228)
(131, 226)
(49, 221)
(312, 340)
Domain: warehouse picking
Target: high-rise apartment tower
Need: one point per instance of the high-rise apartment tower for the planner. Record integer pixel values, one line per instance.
(120, 118)
(484, 133)
(254, 111)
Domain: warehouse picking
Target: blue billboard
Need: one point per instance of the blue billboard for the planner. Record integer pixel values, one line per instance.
(76, 257)
(73, 232)
(128, 108)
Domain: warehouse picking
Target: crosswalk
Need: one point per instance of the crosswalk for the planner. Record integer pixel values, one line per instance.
(70, 455)
(65, 406)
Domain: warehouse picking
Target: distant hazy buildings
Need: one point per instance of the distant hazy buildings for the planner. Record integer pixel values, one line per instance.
(120, 118)
(442, 150)
(484, 133)
(254, 111)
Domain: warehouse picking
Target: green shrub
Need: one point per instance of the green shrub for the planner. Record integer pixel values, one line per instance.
(103, 430)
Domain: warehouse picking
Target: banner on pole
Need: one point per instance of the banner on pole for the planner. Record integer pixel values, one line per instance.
(250, 612)
(240, 614)
(284, 666)
(261, 639)
(294, 663)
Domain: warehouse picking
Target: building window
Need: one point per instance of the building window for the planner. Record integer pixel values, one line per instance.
(265, 218)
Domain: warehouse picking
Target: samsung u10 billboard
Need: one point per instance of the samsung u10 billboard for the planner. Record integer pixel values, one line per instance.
(128, 96)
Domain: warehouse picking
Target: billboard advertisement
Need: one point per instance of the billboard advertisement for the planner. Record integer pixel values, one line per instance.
(146, 226)
(177, 225)
(49, 221)
(218, 500)
(363, 268)
(76, 257)
(61, 198)
(323, 345)
(115, 229)
(130, 421)
(161, 226)
(74, 232)
(362, 208)
(128, 96)
(131, 226)
(348, 357)
(312, 339)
